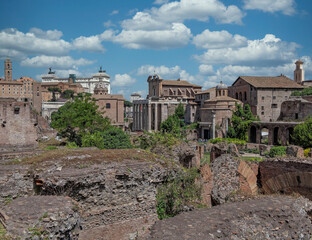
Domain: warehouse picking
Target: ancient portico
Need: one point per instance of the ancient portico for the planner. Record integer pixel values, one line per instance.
(279, 133)
(149, 114)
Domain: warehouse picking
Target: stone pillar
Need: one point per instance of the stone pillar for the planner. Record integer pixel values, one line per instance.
(213, 125)
(271, 135)
(140, 117)
(156, 118)
(134, 118)
(149, 117)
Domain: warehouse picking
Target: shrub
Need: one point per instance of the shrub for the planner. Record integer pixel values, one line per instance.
(277, 151)
(180, 191)
(302, 135)
(149, 140)
(306, 152)
(228, 140)
(112, 138)
(247, 150)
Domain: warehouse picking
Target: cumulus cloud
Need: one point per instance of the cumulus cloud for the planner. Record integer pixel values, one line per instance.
(122, 80)
(160, 2)
(179, 35)
(108, 24)
(92, 44)
(114, 12)
(287, 7)
(63, 62)
(50, 34)
(218, 39)
(206, 69)
(29, 43)
(267, 51)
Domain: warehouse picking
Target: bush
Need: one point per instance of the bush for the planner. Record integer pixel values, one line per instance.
(149, 140)
(306, 152)
(277, 151)
(247, 150)
(112, 138)
(228, 140)
(302, 135)
(173, 196)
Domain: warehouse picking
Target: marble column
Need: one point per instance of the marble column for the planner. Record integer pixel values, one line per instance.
(149, 117)
(156, 118)
(213, 125)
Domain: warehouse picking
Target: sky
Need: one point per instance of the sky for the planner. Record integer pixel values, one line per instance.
(201, 41)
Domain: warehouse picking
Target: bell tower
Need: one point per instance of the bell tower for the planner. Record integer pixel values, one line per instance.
(299, 72)
(8, 70)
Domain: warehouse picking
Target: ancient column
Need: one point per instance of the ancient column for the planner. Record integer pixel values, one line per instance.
(213, 125)
(156, 118)
(149, 119)
(134, 118)
(140, 116)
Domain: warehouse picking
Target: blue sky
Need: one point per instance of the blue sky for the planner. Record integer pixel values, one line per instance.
(202, 41)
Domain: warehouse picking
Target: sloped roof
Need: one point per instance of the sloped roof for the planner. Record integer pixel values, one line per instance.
(179, 83)
(270, 82)
(222, 98)
(213, 89)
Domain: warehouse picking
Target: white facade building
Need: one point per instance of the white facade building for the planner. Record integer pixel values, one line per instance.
(88, 83)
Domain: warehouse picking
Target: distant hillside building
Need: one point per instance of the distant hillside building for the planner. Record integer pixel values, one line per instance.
(112, 105)
(24, 89)
(88, 83)
(264, 94)
(162, 99)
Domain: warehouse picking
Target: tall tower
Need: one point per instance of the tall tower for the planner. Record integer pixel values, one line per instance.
(8, 70)
(299, 72)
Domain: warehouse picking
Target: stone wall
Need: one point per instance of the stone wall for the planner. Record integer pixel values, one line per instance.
(18, 125)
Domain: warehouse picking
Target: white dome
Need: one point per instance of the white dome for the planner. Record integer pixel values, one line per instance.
(221, 86)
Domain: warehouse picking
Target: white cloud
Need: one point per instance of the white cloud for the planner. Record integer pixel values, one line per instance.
(162, 71)
(63, 62)
(206, 69)
(50, 34)
(122, 80)
(179, 35)
(218, 39)
(108, 24)
(114, 12)
(92, 44)
(160, 2)
(201, 10)
(29, 43)
(287, 7)
(264, 52)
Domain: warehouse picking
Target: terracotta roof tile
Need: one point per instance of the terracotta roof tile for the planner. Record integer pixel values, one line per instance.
(179, 83)
(270, 82)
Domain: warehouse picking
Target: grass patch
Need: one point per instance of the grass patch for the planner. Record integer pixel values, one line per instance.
(205, 159)
(178, 192)
(252, 159)
(50, 148)
(3, 233)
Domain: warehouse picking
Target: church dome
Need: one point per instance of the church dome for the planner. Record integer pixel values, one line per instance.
(101, 74)
(221, 86)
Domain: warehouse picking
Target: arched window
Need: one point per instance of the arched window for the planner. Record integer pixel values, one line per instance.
(245, 96)
(236, 95)
(108, 105)
(223, 92)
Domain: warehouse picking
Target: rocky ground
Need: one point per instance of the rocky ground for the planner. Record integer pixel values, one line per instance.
(269, 217)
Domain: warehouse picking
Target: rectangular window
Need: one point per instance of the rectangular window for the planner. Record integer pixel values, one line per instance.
(262, 107)
(274, 105)
(16, 110)
(262, 98)
(296, 116)
(274, 97)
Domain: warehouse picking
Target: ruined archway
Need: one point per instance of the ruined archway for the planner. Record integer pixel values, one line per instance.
(275, 136)
(290, 132)
(253, 134)
(264, 135)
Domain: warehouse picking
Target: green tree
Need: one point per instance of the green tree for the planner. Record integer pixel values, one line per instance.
(111, 138)
(127, 104)
(240, 122)
(304, 92)
(77, 118)
(68, 94)
(171, 125)
(54, 90)
(179, 111)
(302, 134)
